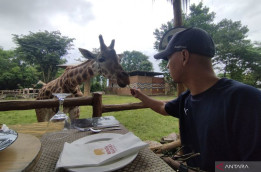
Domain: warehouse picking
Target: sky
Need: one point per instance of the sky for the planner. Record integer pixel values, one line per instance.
(130, 22)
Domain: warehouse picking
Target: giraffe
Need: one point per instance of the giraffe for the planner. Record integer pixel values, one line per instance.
(105, 63)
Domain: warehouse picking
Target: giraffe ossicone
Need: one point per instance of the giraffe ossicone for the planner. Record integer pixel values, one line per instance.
(105, 63)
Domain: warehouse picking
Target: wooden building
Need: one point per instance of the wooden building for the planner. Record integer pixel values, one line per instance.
(150, 83)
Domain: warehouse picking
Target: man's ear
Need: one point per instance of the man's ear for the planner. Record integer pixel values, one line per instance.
(87, 54)
(185, 56)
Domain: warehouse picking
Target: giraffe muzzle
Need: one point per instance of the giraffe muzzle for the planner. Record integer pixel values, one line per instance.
(123, 79)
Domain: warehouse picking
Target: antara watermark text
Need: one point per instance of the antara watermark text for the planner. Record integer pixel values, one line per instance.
(238, 166)
(241, 166)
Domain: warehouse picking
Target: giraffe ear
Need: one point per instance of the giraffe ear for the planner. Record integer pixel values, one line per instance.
(87, 54)
(112, 44)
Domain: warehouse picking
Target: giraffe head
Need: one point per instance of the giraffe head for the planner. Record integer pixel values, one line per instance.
(107, 62)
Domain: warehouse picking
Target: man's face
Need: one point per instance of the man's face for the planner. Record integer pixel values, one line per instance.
(175, 66)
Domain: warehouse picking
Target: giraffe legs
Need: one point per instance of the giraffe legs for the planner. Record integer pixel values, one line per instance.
(45, 114)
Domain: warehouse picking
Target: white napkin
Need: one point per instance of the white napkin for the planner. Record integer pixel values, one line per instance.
(98, 153)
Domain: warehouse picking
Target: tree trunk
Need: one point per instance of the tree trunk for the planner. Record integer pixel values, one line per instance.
(177, 13)
(178, 22)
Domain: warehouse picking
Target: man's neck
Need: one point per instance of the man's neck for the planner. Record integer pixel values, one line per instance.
(201, 84)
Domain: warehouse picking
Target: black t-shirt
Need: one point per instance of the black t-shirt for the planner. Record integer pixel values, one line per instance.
(222, 124)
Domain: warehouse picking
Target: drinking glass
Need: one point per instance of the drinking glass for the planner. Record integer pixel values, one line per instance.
(60, 116)
(60, 119)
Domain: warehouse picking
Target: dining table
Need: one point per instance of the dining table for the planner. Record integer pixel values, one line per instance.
(49, 149)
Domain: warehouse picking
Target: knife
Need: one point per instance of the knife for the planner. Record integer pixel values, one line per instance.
(106, 126)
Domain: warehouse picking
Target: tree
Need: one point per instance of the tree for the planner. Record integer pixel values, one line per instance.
(135, 60)
(231, 48)
(44, 50)
(14, 72)
(252, 75)
(200, 17)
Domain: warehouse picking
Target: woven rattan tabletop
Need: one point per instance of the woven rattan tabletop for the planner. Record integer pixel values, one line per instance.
(146, 160)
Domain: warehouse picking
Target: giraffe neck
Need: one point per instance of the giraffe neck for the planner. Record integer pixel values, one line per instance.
(76, 75)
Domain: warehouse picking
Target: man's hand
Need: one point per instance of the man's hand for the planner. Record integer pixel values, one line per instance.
(156, 105)
(135, 92)
(167, 146)
(159, 149)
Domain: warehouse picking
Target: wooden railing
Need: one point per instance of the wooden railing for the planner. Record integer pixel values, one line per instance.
(95, 101)
(25, 93)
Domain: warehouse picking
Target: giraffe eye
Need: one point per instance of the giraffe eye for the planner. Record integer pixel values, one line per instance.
(102, 59)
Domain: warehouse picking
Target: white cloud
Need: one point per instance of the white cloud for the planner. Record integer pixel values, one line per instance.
(130, 22)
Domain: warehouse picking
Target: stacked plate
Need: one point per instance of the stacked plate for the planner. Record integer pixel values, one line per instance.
(7, 138)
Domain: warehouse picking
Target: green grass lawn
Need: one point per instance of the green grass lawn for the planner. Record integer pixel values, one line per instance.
(144, 123)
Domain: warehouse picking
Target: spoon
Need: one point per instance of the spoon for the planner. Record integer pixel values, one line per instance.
(95, 130)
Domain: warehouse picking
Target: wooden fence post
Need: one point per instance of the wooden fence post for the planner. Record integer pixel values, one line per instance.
(96, 104)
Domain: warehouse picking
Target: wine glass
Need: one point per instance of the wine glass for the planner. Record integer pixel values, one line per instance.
(60, 116)
(60, 119)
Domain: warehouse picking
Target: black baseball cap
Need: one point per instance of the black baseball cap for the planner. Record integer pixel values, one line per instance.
(195, 40)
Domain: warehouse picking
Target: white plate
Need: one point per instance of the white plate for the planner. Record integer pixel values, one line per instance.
(7, 138)
(106, 167)
(96, 138)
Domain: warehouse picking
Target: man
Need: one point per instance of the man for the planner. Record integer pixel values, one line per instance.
(219, 118)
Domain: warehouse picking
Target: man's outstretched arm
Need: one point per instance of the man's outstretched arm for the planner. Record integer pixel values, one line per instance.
(156, 105)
